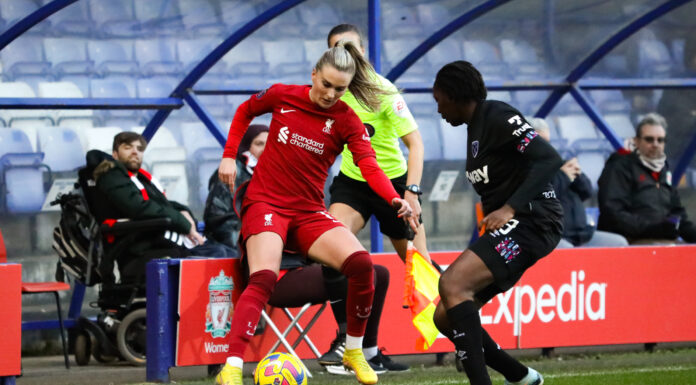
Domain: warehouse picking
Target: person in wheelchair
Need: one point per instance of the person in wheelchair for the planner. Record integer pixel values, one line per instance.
(303, 282)
(131, 192)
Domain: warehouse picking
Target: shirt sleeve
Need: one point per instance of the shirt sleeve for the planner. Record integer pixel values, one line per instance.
(544, 162)
(258, 104)
(377, 179)
(397, 113)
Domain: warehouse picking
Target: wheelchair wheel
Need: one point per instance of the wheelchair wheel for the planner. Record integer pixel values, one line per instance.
(82, 348)
(99, 355)
(131, 337)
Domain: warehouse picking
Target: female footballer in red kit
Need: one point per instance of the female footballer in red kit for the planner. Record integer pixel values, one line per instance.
(284, 203)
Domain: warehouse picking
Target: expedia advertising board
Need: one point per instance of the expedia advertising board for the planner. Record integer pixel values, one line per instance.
(573, 297)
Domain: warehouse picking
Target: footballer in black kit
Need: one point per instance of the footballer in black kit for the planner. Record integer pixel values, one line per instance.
(511, 168)
(507, 164)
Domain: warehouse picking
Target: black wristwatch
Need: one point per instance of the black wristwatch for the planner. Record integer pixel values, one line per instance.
(414, 188)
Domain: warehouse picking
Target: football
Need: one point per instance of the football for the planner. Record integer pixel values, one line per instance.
(280, 369)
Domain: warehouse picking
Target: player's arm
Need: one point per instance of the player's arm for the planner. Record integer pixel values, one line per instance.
(416, 151)
(256, 105)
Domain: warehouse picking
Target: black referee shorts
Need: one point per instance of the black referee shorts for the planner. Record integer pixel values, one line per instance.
(511, 250)
(359, 196)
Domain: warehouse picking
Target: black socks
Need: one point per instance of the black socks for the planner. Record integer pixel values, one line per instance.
(336, 286)
(467, 338)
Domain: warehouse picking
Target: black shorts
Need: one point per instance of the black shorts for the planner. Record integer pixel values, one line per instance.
(511, 250)
(361, 198)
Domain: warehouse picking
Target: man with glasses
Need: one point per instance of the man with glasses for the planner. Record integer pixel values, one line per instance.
(637, 196)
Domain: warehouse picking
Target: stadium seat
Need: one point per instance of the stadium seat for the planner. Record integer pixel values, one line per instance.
(156, 87)
(191, 52)
(159, 17)
(112, 57)
(319, 18)
(315, 48)
(286, 25)
(24, 56)
(73, 20)
(200, 17)
(235, 14)
(68, 56)
(654, 59)
(433, 16)
(503, 96)
(157, 57)
(485, 57)
(429, 129)
(621, 124)
(44, 287)
(395, 50)
(62, 148)
(454, 145)
(163, 138)
(114, 18)
(421, 103)
(444, 52)
(574, 127)
(66, 90)
(246, 65)
(567, 105)
(114, 87)
(168, 164)
(399, 20)
(522, 58)
(13, 11)
(529, 101)
(100, 138)
(16, 118)
(287, 62)
(22, 182)
(206, 160)
(610, 101)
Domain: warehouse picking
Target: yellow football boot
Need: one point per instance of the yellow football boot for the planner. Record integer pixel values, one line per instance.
(229, 375)
(355, 360)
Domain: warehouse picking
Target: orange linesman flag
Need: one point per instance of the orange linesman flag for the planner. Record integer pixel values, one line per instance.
(421, 296)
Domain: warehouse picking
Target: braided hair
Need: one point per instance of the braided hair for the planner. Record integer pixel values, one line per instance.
(461, 82)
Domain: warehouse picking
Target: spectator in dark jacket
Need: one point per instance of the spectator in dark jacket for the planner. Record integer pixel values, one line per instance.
(133, 193)
(637, 196)
(221, 222)
(572, 188)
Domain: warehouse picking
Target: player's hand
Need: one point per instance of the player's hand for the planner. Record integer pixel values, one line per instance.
(405, 211)
(227, 172)
(412, 200)
(497, 218)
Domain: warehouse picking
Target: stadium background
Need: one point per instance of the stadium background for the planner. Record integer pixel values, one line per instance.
(152, 66)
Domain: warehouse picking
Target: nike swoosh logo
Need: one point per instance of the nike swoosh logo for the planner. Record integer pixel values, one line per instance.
(283, 111)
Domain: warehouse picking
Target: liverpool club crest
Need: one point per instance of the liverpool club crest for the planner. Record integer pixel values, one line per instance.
(218, 315)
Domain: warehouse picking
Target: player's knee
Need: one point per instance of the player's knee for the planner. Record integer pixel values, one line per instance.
(451, 286)
(357, 263)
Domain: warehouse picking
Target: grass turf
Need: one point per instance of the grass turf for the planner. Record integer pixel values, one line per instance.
(674, 367)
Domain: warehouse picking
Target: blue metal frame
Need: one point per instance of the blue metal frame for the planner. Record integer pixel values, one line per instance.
(209, 61)
(374, 15)
(604, 48)
(596, 117)
(205, 117)
(161, 294)
(91, 103)
(440, 35)
(31, 20)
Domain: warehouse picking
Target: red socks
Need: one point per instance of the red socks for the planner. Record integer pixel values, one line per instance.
(358, 269)
(248, 310)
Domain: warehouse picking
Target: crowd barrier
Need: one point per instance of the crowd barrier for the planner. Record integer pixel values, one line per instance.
(573, 297)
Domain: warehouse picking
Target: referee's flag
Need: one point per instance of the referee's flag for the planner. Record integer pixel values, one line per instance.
(421, 296)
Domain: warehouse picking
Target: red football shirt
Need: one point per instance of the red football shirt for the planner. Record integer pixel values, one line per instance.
(303, 142)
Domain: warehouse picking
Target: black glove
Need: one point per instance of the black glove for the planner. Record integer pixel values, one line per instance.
(662, 230)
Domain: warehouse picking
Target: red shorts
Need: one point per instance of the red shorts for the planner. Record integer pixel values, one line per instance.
(298, 229)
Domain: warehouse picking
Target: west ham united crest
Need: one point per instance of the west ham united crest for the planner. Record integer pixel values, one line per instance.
(218, 315)
(474, 148)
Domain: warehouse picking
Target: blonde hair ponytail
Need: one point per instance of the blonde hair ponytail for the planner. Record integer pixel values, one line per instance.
(346, 57)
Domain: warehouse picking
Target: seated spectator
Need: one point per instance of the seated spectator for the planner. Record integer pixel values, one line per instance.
(572, 188)
(131, 192)
(303, 282)
(637, 197)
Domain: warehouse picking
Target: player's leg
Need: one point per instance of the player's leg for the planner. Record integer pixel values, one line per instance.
(458, 285)
(339, 249)
(263, 253)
